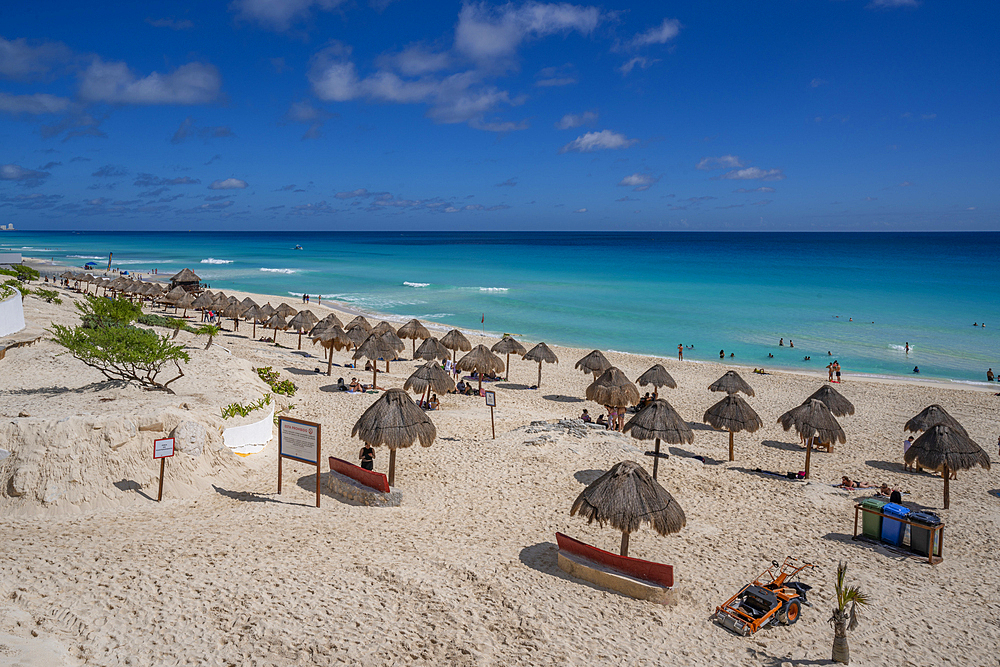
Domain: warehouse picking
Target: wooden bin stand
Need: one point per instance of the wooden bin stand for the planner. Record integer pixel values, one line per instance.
(937, 532)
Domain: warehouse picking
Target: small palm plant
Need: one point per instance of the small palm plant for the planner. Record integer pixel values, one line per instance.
(210, 330)
(842, 619)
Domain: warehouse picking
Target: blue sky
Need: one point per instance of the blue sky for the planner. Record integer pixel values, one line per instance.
(396, 114)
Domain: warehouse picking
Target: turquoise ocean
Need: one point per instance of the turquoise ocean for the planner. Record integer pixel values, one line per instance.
(860, 296)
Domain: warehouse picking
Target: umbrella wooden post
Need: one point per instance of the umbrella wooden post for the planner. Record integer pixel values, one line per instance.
(275, 335)
(508, 367)
(255, 329)
(329, 363)
(947, 474)
(163, 463)
(731, 456)
(539, 385)
(300, 339)
(480, 374)
(624, 549)
(656, 458)
(386, 365)
(809, 446)
(413, 353)
(375, 378)
(392, 467)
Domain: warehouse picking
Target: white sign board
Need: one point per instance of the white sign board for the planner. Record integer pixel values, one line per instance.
(163, 449)
(298, 440)
(491, 398)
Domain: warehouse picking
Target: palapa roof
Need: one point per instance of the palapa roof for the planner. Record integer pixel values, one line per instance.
(304, 320)
(595, 362)
(382, 327)
(613, 388)
(220, 301)
(185, 276)
(432, 349)
(731, 383)
(659, 420)
(267, 310)
(508, 345)
(66, 275)
(392, 339)
(626, 497)
(255, 314)
(813, 419)
(358, 321)
(540, 353)
(931, 416)
(481, 360)
(276, 321)
(456, 340)
(186, 301)
(375, 347)
(233, 310)
(734, 414)
(248, 303)
(429, 376)
(942, 445)
(413, 329)
(174, 295)
(285, 310)
(833, 399)
(332, 320)
(204, 300)
(657, 376)
(331, 336)
(358, 335)
(395, 421)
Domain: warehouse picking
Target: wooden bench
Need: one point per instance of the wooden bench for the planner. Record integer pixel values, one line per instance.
(373, 480)
(637, 578)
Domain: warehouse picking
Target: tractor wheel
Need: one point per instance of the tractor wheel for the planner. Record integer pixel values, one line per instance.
(792, 611)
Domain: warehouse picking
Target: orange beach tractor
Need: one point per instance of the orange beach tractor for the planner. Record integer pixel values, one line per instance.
(770, 598)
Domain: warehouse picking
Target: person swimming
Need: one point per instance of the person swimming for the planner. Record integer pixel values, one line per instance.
(916, 369)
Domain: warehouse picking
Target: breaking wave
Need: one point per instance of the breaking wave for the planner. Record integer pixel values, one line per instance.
(212, 260)
(493, 289)
(409, 284)
(279, 270)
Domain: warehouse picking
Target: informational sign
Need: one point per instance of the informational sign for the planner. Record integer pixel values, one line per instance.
(163, 448)
(301, 441)
(491, 398)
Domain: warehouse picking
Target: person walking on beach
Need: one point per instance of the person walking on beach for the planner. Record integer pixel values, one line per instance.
(367, 456)
(680, 351)
(829, 367)
(836, 370)
(989, 375)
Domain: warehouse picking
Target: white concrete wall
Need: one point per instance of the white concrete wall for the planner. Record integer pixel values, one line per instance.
(11, 315)
(251, 437)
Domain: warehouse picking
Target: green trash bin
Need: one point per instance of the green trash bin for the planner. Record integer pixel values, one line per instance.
(871, 524)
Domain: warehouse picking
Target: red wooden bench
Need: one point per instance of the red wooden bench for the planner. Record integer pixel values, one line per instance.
(655, 573)
(373, 480)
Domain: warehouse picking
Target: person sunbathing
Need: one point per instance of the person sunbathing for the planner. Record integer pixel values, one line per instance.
(886, 490)
(355, 385)
(433, 404)
(848, 483)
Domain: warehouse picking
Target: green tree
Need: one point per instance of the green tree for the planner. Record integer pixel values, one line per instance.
(843, 619)
(210, 330)
(100, 312)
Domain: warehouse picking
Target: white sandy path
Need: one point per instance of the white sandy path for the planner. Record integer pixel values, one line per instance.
(465, 571)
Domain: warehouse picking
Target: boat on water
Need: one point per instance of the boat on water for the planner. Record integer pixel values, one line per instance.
(298, 247)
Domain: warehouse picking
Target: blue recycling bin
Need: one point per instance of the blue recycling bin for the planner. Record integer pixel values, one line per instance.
(920, 533)
(893, 530)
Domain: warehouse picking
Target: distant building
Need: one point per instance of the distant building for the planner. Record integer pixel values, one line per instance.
(187, 280)
(7, 228)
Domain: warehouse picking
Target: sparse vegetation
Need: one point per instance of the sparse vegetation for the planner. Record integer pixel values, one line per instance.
(154, 320)
(234, 409)
(210, 330)
(48, 295)
(271, 377)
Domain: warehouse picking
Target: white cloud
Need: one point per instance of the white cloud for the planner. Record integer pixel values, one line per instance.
(892, 4)
(36, 104)
(638, 182)
(661, 34)
(571, 120)
(416, 60)
(760, 189)
(905, 184)
(279, 14)
(752, 174)
(183, 24)
(305, 112)
(580, 210)
(115, 83)
(26, 177)
(549, 77)
(721, 162)
(816, 83)
(638, 61)
(228, 184)
(592, 141)
(24, 61)
(486, 33)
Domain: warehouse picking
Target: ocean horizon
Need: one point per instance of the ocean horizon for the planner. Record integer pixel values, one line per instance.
(857, 297)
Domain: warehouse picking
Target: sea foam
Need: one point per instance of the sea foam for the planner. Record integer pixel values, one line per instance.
(409, 284)
(493, 289)
(265, 270)
(212, 260)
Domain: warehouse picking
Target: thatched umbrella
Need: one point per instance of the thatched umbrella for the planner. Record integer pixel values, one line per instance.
(358, 321)
(330, 337)
(256, 314)
(358, 335)
(733, 414)
(332, 320)
(945, 448)
(382, 327)
(613, 388)
(833, 399)
(303, 321)
(221, 302)
(185, 302)
(626, 497)
(414, 330)
(203, 302)
(731, 383)
(506, 345)
(267, 310)
(373, 348)
(429, 377)
(931, 416)
(248, 303)
(234, 311)
(482, 361)
(456, 341)
(390, 337)
(432, 349)
(659, 421)
(540, 353)
(657, 376)
(173, 296)
(813, 419)
(395, 421)
(276, 322)
(286, 311)
(595, 362)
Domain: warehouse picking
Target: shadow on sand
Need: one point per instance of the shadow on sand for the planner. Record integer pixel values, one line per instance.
(308, 483)
(562, 399)
(544, 557)
(511, 385)
(55, 391)
(787, 446)
(132, 485)
(677, 451)
(587, 477)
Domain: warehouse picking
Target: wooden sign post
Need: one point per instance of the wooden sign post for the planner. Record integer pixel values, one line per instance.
(299, 440)
(163, 450)
(491, 400)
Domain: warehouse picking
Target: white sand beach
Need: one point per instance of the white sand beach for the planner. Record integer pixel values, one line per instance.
(224, 571)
